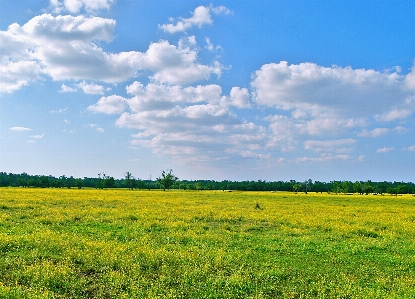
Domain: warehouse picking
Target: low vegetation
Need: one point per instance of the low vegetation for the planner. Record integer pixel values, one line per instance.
(92, 243)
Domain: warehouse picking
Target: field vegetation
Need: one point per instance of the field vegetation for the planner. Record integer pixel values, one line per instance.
(70, 243)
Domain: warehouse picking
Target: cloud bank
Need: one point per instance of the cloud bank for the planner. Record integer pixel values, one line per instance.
(183, 112)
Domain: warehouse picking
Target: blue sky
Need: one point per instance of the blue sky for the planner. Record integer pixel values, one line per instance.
(238, 90)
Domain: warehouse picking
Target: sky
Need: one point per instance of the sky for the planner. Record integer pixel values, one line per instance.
(219, 90)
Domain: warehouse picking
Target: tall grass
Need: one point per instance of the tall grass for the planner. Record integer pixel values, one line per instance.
(57, 243)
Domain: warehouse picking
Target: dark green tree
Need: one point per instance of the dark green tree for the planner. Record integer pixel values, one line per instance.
(357, 187)
(79, 183)
(167, 179)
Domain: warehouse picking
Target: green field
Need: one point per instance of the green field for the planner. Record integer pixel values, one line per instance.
(67, 243)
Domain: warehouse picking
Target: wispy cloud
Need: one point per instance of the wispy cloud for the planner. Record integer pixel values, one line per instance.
(20, 129)
(374, 133)
(58, 111)
(200, 16)
(75, 6)
(385, 149)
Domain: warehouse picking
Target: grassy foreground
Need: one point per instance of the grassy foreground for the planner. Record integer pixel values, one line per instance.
(60, 243)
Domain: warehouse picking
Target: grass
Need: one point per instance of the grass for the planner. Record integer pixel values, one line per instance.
(60, 243)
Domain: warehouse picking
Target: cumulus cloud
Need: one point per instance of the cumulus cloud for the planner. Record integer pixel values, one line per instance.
(176, 64)
(65, 88)
(351, 92)
(410, 79)
(163, 96)
(411, 148)
(312, 100)
(18, 67)
(38, 136)
(66, 48)
(20, 129)
(110, 105)
(200, 16)
(240, 98)
(62, 47)
(191, 121)
(91, 88)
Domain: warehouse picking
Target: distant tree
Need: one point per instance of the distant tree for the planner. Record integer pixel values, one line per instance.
(308, 185)
(403, 189)
(357, 187)
(297, 187)
(367, 187)
(346, 187)
(79, 183)
(392, 190)
(105, 181)
(44, 182)
(109, 182)
(100, 181)
(167, 179)
(69, 182)
(129, 180)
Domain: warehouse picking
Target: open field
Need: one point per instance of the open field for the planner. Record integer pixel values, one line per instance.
(67, 243)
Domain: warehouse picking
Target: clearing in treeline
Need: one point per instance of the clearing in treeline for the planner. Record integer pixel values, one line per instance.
(69, 243)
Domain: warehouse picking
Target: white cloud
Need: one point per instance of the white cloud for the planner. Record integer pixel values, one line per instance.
(345, 91)
(200, 16)
(17, 74)
(62, 47)
(38, 136)
(326, 101)
(91, 88)
(210, 46)
(385, 149)
(162, 96)
(393, 115)
(176, 65)
(401, 130)
(411, 148)
(20, 129)
(220, 10)
(337, 146)
(322, 158)
(65, 88)
(240, 98)
(58, 111)
(377, 132)
(410, 79)
(75, 6)
(66, 48)
(110, 105)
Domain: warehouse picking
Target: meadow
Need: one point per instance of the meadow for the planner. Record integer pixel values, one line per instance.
(69, 243)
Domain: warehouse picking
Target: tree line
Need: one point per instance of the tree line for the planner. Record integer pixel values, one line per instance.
(168, 180)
